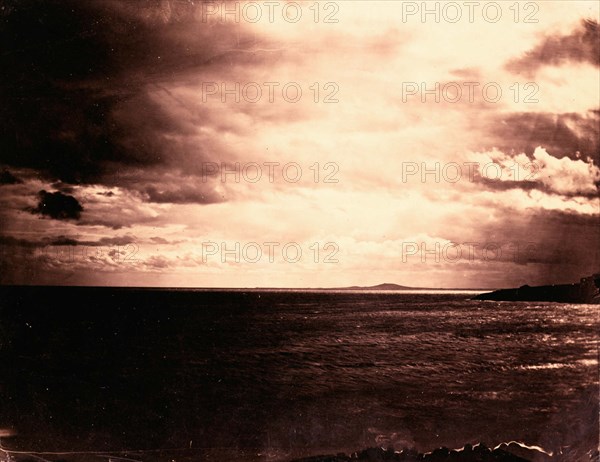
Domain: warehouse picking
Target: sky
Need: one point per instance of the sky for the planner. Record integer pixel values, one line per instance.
(299, 144)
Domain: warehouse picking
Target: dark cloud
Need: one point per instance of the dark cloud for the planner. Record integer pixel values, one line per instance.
(562, 135)
(62, 187)
(468, 74)
(181, 195)
(160, 240)
(105, 241)
(119, 240)
(583, 45)
(498, 185)
(58, 206)
(535, 184)
(564, 242)
(158, 262)
(8, 178)
(79, 82)
(62, 241)
(17, 242)
(556, 246)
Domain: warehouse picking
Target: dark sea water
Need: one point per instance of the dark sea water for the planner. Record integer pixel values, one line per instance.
(249, 375)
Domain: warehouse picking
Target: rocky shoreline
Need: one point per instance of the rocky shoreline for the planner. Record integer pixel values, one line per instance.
(587, 290)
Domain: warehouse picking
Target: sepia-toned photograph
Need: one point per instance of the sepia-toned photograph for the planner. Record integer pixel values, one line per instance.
(299, 231)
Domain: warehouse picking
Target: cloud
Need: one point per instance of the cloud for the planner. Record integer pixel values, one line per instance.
(62, 241)
(562, 176)
(571, 135)
(566, 176)
(181, 195)
(17, 242)
(158, 262)
(564, 244)
(86, 89)
(58, 206)
(8, 178)
(583, 45)
(59, 241)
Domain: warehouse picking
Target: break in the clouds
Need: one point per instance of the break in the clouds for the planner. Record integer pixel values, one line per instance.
(128, 149)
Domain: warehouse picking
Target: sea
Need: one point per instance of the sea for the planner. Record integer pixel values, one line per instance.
(180, 375)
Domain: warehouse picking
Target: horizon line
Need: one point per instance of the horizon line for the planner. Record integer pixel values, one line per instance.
(346, 288)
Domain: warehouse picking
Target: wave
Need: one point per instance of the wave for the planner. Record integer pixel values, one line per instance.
(512, 451)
